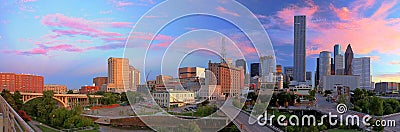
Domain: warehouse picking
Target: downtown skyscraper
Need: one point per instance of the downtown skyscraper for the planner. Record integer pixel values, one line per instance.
(362, 67)
(299, 48)
(349, 55)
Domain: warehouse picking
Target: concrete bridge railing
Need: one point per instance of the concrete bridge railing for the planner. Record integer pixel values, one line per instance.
(12, 122)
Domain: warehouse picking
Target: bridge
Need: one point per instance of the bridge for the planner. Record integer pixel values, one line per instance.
(65, 100)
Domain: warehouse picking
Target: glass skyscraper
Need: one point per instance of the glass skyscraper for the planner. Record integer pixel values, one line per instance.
(299, 48)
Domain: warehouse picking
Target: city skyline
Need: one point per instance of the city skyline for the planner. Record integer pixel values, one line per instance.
(69, 44)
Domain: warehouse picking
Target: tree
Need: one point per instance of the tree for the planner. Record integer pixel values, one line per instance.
(377, 128)
(46, 106)
(9, 98)
(123, 97)
(358, 95)
(23, 115)
(109, 98)
(17, 97)
(312, 93)
(70, 92)
(285, 85)
(376, 104)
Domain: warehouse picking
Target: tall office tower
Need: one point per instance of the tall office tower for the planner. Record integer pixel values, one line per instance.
(337, 50)
(308, 76)
(288, 74)
(134, 77)
(349, 55)
(299, 48)
(229, 78)
(339, 67)
(267, 65)
(317, 78)
(362, 68)
(21, 82)
(241, 63)
(279, 69)
(324, 64)
(332, 67)
(254, 69)
(118, 74)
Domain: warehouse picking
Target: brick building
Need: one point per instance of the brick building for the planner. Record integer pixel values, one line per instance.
(21, 82)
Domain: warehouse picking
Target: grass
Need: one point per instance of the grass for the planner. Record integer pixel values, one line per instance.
(45, 129)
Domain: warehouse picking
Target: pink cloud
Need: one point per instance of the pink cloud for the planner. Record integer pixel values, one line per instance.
(43, 50)
(80, 26)
(358, 28)
(148, 1)
(83, 41)
(226, 11)
(392, 77)
(259, 16)
(25, 1)
(394, 63)
(287, 13)
(122, 4)
(344, 13)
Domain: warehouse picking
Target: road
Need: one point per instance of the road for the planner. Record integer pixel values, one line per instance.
(395, 128)
(241, 120)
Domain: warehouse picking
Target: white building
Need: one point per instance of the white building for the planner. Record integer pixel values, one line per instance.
(173, 98)
(330, 81)
(362, 68)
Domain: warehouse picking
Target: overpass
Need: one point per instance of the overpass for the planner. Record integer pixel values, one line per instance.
(65, 100)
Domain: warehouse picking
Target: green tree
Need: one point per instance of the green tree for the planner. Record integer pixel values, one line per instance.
(17, 97)
(358, 95)
(377, 128)
(123, 97)
(70, 92)
(9, 98)
(376, 104)
(46, 106)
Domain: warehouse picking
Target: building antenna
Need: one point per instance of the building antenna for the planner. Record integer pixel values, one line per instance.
(223, 50)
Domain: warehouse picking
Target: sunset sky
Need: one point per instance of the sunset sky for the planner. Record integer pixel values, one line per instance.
(68, 42)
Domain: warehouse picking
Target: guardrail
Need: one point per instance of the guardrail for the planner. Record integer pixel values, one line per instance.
(12, 121)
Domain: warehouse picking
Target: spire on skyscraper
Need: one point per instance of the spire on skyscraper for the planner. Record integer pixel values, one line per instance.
(349, 55)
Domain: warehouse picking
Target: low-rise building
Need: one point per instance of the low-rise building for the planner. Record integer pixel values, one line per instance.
(387, 87)
(210, 92)
(56, 88)
(173, 98)
(99, 81)
(301, 90)
(89, 89)
(330, 81)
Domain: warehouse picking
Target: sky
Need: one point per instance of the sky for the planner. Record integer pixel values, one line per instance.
(68, 42)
